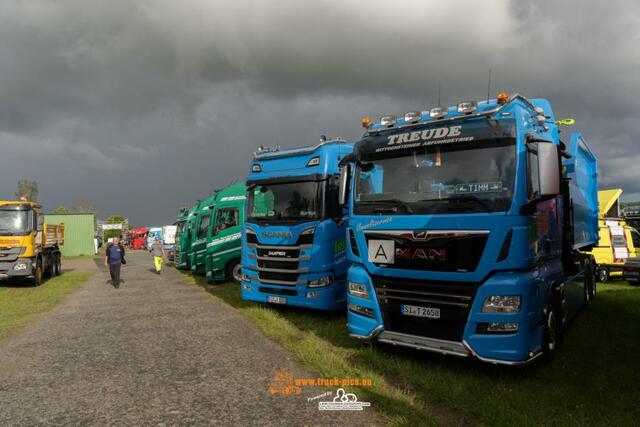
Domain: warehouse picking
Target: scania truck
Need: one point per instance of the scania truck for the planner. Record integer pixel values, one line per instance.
(294, 247)
(215, 246)
(466, 231)
(29, 248)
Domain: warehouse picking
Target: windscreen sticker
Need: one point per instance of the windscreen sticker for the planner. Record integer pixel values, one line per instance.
(479, 187)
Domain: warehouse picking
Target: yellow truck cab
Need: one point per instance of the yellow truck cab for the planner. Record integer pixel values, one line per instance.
(29, 248)
(618, 240)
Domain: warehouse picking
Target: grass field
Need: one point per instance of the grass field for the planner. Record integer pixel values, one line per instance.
(20, 304)
(594, 379)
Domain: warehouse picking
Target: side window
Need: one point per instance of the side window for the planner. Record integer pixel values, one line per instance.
(227, 218)
(204, 224)
(635, 237)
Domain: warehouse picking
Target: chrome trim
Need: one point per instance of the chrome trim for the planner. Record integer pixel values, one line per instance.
(371, 335)
(435, 345)
(435, 294)
(280, 282)
(456, 118)
(269, 258)
(278, 270)
(502, 362)
(275, 247)
(427, 301)
(429, 233)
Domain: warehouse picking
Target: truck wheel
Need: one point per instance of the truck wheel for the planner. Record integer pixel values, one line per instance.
(234, 271)
(551, 330)
(603, 275)
(37, 275)
(589, 282)
(59, 265)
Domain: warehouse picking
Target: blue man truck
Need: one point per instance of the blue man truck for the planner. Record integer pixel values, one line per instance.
(293, 241)
(466, 231)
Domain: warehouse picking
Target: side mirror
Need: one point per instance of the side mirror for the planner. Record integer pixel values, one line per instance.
(548, 169)
(343, 191)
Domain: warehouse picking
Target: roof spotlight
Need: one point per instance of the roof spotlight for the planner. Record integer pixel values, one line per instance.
(438, 112)
(388, 120)
(412, 117)
(467, 107)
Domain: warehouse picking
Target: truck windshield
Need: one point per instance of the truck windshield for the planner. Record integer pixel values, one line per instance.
(293, 202)
(438, 179)
(14, 221)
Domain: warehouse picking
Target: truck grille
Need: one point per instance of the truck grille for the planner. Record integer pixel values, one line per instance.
(454, 300)
(279, 264)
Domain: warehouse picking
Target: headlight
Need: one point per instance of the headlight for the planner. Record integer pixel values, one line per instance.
(244, 278)
(20, 266)
(502, 304)
(318, 283)
(358, 290)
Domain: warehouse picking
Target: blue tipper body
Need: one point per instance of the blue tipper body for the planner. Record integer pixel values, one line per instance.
(422, 271)
(293, 241)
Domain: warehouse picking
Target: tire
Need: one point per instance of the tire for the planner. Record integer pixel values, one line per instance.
(589, 282)
(603, 275)
(234, 271)
(552, 321)
(38, 274)
(56, 265)
(59, 264)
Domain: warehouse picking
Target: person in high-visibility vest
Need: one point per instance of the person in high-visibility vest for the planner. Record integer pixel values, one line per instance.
(157, 250)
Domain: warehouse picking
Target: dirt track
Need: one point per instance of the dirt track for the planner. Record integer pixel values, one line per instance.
(156, 351)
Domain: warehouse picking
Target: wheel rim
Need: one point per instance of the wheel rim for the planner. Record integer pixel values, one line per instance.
(237, 272)
(603, 276)
(551, 330)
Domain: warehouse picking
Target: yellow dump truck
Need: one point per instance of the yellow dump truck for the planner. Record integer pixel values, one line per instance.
(29, 248)
(618, 241)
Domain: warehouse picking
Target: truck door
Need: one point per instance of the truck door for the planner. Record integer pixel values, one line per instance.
(225, 238)
(199, 248)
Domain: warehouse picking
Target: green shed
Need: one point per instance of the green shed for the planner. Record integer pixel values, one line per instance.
(79, 232)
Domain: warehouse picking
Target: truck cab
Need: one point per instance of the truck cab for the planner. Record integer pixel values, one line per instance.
(215, 248)
(294, 235)
(29, 248)
(184, 231)
(465, 230)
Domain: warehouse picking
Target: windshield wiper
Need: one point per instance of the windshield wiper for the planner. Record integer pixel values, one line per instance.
(392, 209)
(462, 199)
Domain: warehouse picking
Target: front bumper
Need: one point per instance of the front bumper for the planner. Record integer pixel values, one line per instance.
(509, 348)
(20, 268)
(329, 297)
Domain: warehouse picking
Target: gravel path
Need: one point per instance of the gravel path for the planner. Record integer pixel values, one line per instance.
(154, 352)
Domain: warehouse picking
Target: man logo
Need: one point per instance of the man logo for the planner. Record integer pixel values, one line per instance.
(419, 235)
(382, 251)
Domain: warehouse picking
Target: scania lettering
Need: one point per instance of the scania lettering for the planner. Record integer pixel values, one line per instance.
(294, 248)
(467, 230)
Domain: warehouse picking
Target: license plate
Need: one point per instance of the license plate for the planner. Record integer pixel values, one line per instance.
(276, 300)
(414, 310)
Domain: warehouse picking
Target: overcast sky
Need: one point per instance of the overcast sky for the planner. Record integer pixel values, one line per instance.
(144, 106)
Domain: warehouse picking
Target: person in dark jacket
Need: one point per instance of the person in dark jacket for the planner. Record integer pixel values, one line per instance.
(114, 259)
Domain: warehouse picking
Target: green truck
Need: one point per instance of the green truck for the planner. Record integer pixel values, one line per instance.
(215, 231)
(184, 226)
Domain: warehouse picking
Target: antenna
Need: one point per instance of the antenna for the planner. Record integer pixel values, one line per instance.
(489, 86)
(439, 93)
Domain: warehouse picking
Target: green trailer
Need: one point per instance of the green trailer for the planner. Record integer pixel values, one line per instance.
(215, 238)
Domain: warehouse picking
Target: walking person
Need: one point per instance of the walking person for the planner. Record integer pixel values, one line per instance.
(114, 259)
(157, 250)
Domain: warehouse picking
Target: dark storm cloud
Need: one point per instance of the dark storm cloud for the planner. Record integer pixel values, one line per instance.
(143, 106)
